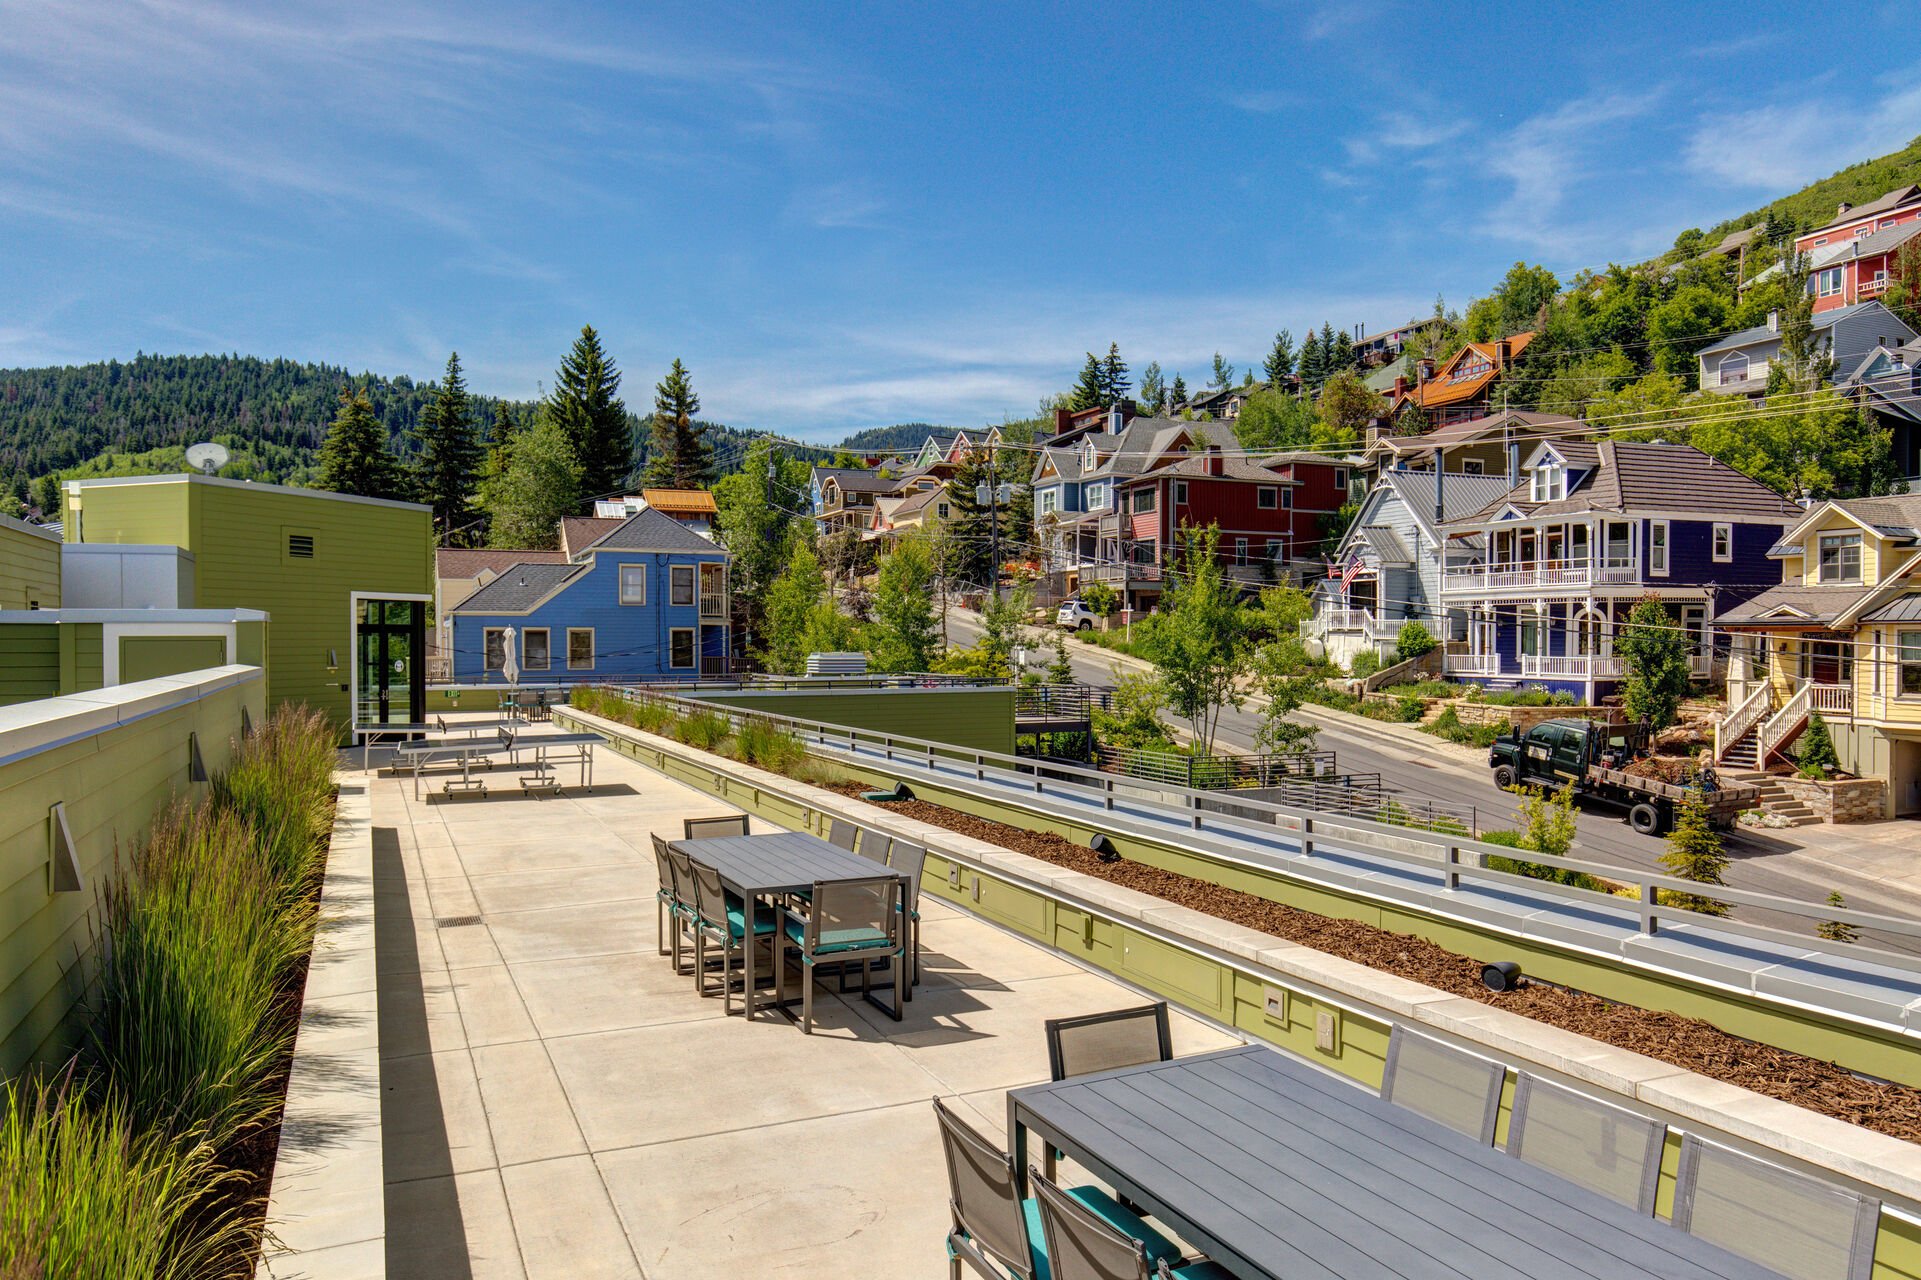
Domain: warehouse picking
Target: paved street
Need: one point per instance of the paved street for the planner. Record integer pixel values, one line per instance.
(1771, 861)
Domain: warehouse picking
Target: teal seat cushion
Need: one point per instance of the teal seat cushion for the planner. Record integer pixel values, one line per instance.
(1203, 1271)
(839, 939)
(764, 922)
(1116, 1215)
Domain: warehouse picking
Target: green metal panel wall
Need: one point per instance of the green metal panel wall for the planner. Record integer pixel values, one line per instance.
(981, 719)
(150, 657)
(29, 570)
(112, 784)
(238, 535)
(83, 657)
(29, 661)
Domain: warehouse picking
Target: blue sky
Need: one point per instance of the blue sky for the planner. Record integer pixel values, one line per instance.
(850, 215)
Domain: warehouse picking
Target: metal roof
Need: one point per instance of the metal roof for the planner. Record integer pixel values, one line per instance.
(1901, 609)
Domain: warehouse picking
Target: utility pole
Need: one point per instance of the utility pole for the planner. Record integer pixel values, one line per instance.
(992, 499)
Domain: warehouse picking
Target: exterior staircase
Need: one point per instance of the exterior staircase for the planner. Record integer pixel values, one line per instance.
(1744, 753)
(1774, 797)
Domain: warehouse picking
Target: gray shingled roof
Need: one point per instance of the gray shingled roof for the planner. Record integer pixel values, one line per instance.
(1872, 245)
(1815, 604)
(1461, 495)
(1761, 333)
(519, 588)
(1636, 476)
(649, 530)
(1898, 515)
(858, 479)
(467, 562)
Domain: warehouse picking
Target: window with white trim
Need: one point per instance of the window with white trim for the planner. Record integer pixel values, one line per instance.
(1050, 501)
(536, 649)
(633, 584)
(1658, 548)
(680, 649)
(1723, 543)
(1266, 497)
(1180, 493)
(1240, 551)
(1733, 368)
(1548, 482)
(1839, 557)
(680, 584)
(1340, 478)
(1828, 283)
(1473, 467)
(1909, 655)
(580, 648)
(1287, 499)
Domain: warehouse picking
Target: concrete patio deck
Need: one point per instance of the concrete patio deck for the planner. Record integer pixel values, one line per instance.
(557, 1102)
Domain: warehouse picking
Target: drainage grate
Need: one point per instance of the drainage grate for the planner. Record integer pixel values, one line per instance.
(451, 922)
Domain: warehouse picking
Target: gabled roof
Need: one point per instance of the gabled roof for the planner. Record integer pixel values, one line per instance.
(1791, 604)
(1466, 373)
(1880, 204)
(651, 530)
(1872, 245)
(1821, 320)
(858, 479)
(1626, 476)
(680, 502)
(1145, 441)
(1518, 421)
(1894, 515)
(521, 588)
(470, 562)
(577, 532)
(1234, 466)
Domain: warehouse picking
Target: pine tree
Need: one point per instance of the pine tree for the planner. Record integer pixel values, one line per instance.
(1177, 394)
(1312, 369)
(354, 458)
(586, 406)
(1090, 391)
(500, 441)
(1694, 853)
(1223, 374)
(1816, 757)
(1837, 930)
(447, 469)
(1153, 390)
(1279, 365)
(1061, 669)
(1114, 381)
(681, 457)
(1341, 355)
(1328, 348)
(540, 486)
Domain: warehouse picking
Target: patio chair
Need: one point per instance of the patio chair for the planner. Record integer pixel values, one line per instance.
(732, 824)
(1447, 1085)
(723, 922)
(1091, 1042)
(1793, 1224)
(1609, 1150)
(842, 834)
(685, 892)
(1083, 1244)
(908, 860)
(668, 906)
(874, 846)
(847, 922)
(995, 1231)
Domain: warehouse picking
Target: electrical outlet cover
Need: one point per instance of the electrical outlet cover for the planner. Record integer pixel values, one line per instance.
(1274, 1003)
(1327, 1031)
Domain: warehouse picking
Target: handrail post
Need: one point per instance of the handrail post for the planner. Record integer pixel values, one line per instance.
(1451, 867)
(1648, 904)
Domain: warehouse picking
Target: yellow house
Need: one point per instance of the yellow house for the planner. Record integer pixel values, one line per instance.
(1840, 636)
(29, 565)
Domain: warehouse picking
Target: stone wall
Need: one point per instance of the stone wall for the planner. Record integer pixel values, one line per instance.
(1844, 800)
(1525, 718)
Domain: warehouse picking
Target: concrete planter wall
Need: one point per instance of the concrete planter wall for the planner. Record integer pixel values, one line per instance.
(1843, 800)
(1525, 718)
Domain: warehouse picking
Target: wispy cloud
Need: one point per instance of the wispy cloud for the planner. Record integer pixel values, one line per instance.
(1402, 132)
(1785, 145)
(1545, 156)
(1263, 102)
(855, 204)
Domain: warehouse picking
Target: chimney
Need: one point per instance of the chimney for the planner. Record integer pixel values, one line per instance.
(1503, 352)
(1774, 322)
(1841, 210)
(1423, 370)
(1214, 460)
(1063, 419)
(1400, 386)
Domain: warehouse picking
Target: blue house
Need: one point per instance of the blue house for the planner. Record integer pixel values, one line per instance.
(646, 601)
(1540, 579)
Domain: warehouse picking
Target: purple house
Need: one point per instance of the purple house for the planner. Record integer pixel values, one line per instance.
(1544, 575)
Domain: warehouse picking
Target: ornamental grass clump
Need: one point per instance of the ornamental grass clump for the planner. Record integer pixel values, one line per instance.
(704, 730)
(199, 939)
(86, 1195)
(767, 746)
(280, 781)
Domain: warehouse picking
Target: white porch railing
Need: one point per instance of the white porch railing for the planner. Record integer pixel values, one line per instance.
(1348, 619)
(1535, 574)
(1783, 722)
(1471, 664)
(1832, 699)
(1735, 724)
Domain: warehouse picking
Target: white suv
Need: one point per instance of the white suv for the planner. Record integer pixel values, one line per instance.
(1075, 616)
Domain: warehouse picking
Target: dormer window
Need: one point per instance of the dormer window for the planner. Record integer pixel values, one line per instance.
(1549, 481)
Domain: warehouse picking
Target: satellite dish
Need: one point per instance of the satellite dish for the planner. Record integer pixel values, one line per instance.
(207, 457)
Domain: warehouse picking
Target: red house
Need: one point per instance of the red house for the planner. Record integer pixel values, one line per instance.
(1852, 258)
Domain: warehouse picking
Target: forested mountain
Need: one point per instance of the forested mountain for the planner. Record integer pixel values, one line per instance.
(903, 435)
(134, 417)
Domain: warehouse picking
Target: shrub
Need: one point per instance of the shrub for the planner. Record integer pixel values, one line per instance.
(1100, 599)
(1424, 689)
(1413, 641)
(1364, 664)
(1449, 726)
(703, 730)
(1817, 758)
(85, 1196)
(1694, 853)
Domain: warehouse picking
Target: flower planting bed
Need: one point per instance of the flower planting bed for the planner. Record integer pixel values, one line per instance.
(1684, 1042)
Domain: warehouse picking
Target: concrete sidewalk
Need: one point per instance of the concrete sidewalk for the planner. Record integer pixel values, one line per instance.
(557, 1102)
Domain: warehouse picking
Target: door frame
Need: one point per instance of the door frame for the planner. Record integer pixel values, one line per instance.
(354, 600)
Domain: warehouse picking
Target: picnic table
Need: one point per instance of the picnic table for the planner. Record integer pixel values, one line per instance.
(1276, 1168)
(767, 866)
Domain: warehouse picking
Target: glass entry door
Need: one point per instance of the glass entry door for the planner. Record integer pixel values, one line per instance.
(390, 644)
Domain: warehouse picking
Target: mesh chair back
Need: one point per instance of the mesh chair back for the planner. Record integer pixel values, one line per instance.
(1108, 1041)
(1445, 1084)
(874, 846)
(1594, 1144)
(841, 836)
(709, 897)
(733, 824)
(1079, 1245)
(1799, 1226)
(907, 860)
(664, 865)
(685, 886)
(853, 912)
(984, 1194)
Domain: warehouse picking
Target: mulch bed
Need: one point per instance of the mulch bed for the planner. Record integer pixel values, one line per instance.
(1892, 1109)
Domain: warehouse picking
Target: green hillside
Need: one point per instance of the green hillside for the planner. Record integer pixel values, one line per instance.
(903, 435)
(1814, 204)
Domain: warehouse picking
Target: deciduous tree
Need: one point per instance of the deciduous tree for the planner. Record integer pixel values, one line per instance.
(1223, 374)
(1153, 395)
(541, 485)
(1654, 651)
(1200, 643)
(905, 632)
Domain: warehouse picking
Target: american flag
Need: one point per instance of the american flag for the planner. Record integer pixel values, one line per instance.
(1350, 571)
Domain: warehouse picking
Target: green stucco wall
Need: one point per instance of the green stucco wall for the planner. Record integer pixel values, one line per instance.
(979, 719)
(29, 568)
(239, 537)
(111, 783)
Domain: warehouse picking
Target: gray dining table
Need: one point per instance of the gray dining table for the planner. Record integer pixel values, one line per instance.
(763, 867)
(1275, 1168)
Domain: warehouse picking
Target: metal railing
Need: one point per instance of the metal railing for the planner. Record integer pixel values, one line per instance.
(1454, 855)
(1215, 772)
(1060, 701)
